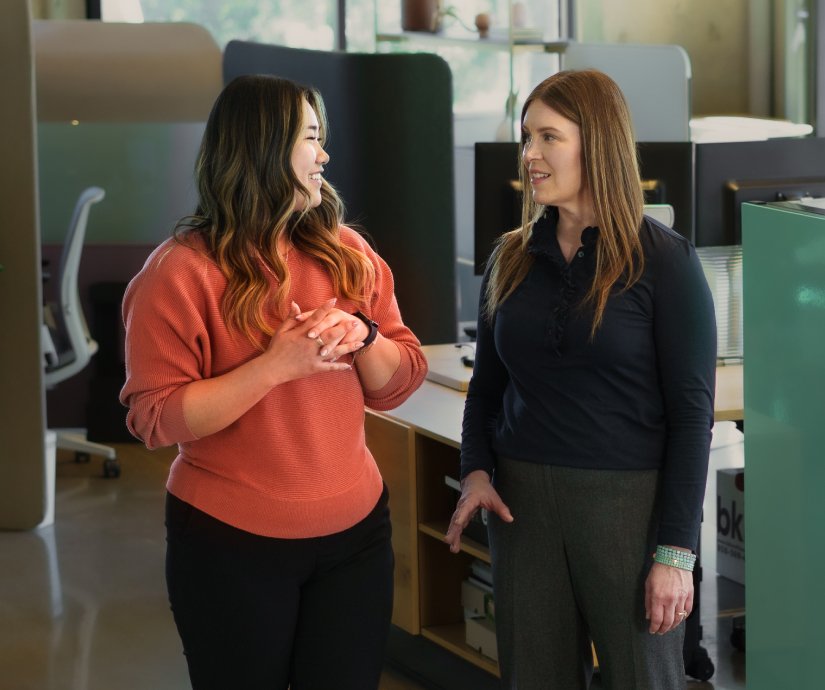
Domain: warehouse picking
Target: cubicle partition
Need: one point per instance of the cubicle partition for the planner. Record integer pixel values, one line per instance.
(120, 106)
(391, 149)
(784, 299)
(23, 477)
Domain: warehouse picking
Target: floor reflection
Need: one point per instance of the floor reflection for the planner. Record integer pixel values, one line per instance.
(83, 604)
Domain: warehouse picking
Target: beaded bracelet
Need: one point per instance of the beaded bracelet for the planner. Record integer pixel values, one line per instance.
(684, 560)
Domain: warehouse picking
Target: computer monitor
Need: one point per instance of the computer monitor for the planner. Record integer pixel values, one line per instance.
(666, 169)
(729, 173)
(666, 173)
(497, 196)
(705, 183)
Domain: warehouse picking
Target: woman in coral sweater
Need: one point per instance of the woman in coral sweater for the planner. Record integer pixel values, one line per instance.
(253, 343)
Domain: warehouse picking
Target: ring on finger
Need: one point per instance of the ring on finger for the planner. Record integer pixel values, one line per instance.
(319, 341)
(681, 614)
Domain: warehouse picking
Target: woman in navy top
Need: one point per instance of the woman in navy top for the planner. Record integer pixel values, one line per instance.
(588, 418)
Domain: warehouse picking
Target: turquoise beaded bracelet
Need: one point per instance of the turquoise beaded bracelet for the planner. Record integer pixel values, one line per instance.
(684, 560)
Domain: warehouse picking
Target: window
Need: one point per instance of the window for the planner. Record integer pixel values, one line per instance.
(483, 75)
(295, 23)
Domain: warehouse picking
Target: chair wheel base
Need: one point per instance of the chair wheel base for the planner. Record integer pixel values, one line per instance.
(701, 667)
(737, 635)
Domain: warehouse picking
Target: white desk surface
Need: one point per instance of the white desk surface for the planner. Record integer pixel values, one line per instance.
(433, 410)
(446, 366)
(436, 410)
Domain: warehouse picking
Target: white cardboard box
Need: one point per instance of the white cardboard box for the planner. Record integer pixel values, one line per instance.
(477, 599)
(730, 524)
(481, 636)
(472, 599)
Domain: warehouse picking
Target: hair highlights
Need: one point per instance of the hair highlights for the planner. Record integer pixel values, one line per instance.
(246, 191)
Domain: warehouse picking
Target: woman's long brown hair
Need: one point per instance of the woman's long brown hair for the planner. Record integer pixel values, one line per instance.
(246, 189)
(594, 102)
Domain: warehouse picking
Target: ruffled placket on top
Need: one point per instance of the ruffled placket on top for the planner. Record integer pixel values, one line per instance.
(544, 246)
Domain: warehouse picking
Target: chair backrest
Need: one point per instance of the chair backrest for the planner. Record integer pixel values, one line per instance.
(76, 330)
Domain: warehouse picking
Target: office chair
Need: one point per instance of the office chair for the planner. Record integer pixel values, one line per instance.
(72, 356)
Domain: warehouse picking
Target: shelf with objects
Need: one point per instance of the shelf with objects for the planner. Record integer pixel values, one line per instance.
(496, 55)
(417, 450)
(416, 447)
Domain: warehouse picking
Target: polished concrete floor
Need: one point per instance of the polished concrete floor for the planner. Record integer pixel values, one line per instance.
(83, 604)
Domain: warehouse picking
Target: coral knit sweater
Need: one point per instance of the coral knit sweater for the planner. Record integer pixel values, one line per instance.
(296, 464)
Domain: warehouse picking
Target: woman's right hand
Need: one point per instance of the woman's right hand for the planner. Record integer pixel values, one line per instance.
(476, 492)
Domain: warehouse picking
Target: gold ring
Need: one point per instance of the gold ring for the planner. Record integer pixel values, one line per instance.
(319, 341)
(681, 613)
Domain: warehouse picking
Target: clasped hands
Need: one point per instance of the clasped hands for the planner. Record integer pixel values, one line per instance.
(311, 342)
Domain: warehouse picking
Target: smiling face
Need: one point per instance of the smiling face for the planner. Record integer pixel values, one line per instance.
(552, 155)
(308, 158)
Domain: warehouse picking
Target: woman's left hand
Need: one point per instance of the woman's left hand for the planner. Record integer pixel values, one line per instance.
(668, 597)
(335, 331)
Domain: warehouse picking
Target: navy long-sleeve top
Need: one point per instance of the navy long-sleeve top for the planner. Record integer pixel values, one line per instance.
(638, 396)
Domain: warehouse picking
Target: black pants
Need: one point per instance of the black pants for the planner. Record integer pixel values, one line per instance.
(256, 613)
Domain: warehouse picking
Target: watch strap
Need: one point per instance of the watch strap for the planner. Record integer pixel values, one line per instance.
(372, 325)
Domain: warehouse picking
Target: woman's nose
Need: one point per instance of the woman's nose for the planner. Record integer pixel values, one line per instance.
(528, 153)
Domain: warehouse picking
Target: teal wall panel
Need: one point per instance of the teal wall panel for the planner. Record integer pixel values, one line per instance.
(784, 355)
(145, 168)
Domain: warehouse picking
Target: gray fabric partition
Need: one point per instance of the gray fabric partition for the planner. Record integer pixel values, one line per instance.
(391, 150)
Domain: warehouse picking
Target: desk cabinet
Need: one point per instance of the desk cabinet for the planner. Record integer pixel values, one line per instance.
(427, 575)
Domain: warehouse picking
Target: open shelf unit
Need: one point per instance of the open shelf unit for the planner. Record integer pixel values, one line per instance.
(534, 28)
(428, 576)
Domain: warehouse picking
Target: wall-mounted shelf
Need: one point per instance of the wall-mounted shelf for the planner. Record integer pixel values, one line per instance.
(519, 27)
(473, 42)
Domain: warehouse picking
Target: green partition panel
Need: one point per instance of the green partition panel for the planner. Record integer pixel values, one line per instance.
(784, 355)
(145, 168)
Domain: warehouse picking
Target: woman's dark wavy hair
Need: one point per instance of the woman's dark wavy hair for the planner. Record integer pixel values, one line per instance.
(246, 201)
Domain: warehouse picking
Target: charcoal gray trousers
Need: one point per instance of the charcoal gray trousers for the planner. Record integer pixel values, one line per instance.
(570, 569)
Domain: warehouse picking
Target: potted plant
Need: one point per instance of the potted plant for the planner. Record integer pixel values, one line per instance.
(421, 15)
